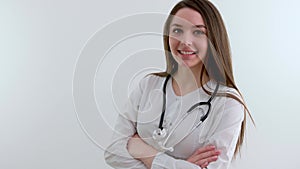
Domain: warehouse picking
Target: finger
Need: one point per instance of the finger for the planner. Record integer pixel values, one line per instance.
(204, 162)
(205, 149)
(197, 157)
(204, 165)
(208, 154)
(203, 153)
(206, 157)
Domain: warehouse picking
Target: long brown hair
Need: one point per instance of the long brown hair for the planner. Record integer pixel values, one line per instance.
(218, 64)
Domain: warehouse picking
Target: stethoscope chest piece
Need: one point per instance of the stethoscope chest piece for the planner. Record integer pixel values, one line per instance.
(159, 134)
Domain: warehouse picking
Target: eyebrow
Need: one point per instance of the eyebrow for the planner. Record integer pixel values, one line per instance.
(197, 26)
(200, 26)
(176, 25)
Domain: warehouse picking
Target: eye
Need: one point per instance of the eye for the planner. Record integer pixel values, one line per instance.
(198, 32)
(177, 31)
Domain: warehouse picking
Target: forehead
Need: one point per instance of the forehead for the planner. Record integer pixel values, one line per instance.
(188, 16)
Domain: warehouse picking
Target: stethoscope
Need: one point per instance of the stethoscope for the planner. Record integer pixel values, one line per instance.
(160, 133)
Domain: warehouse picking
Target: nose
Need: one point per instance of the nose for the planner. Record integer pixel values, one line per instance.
(187, 39)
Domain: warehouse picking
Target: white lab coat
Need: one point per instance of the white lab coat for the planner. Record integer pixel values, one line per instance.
(142, 114)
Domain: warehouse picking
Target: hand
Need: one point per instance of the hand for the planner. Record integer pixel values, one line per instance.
(140, 150)
(204, 155)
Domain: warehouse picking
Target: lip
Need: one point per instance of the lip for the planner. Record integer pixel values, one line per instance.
(187, 54)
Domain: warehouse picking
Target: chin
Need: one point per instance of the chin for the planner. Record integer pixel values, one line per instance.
(189, 64)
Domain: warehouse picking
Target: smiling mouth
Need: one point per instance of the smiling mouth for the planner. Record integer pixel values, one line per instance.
(186, 53)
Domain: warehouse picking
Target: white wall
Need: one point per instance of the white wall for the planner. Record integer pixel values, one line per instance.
(41, 42)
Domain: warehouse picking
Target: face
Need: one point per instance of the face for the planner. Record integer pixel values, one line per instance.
(187, 38)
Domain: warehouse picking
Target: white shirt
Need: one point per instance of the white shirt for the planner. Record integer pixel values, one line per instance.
(142, 114)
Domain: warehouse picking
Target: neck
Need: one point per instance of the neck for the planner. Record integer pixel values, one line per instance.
(188, 79)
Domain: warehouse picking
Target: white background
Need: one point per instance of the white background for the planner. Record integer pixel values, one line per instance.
(40, 42)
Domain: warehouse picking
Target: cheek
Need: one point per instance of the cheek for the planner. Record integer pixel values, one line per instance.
(201, 43)
(173, 44)
(202, 47)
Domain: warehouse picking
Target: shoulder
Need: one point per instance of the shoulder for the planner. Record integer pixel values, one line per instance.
(151, 81)
(223, 90)
(228, 102)
(145, 84)
(233, 104)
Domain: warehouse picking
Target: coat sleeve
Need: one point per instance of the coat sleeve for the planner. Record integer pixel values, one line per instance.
(224, 138)
(227, 133)
(116, 154)
(165, 161)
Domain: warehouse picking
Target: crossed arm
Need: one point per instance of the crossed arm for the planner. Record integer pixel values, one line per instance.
(143, 152)
(128, 150)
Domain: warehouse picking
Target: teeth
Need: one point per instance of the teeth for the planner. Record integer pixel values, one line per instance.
(186, 53)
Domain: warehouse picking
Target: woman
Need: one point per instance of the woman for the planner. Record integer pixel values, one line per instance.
(192, 115)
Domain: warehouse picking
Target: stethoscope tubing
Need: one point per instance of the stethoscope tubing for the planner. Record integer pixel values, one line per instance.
(203, 118)
(181, 120)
